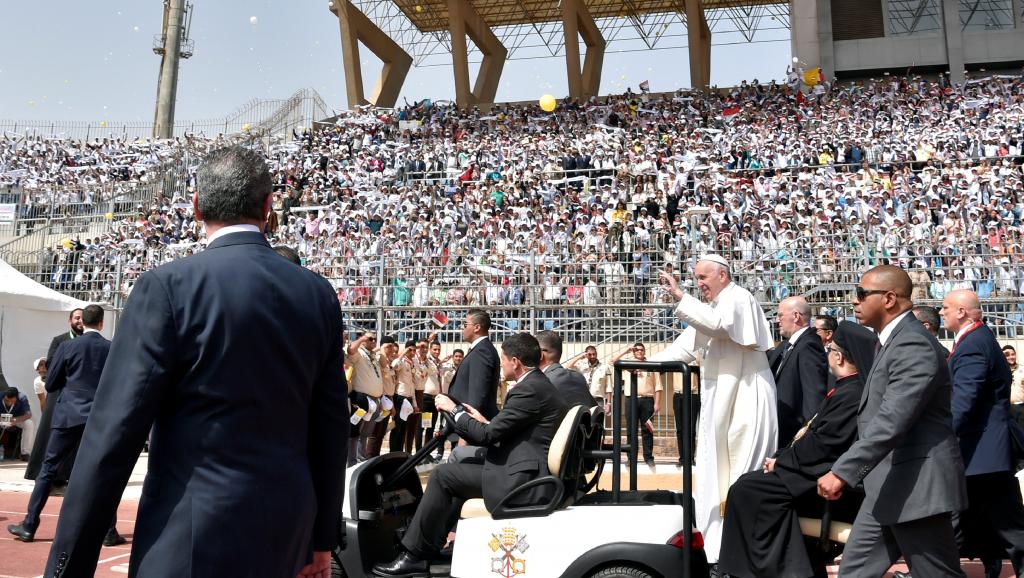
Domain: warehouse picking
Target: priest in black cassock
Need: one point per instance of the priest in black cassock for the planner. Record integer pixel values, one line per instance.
(761, 537)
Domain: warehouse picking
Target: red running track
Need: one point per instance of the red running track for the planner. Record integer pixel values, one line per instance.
(21, 560)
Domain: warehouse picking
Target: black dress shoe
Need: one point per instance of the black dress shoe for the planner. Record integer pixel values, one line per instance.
(405, 566)
(20, 533)
(113, 538)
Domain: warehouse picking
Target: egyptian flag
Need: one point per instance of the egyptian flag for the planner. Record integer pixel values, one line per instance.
(440, 319)
(731, 110)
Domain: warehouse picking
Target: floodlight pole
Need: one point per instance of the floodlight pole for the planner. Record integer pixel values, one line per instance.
(167, 89)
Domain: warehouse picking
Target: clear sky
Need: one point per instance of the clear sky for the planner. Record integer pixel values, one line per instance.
(93, 61)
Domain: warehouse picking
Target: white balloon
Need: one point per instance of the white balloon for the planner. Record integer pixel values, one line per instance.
(252, 20)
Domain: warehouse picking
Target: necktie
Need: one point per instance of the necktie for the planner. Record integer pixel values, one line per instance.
(782, 358)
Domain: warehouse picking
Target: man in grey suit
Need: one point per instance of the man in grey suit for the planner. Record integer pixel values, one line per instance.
(571, 385)
(907, 455)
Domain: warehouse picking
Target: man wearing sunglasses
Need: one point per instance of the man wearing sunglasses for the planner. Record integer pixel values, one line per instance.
(907, 455)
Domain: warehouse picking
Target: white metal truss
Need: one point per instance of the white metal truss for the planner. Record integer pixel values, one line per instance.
(632, 30)
(912, 17)
(986, 14)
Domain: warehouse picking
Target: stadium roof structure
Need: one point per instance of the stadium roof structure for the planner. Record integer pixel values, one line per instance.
(433, 32)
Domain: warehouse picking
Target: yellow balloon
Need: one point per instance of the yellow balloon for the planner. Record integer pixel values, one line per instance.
(103, 124)
(109, 216)
(548, 103)
(419, 8)
(246, 127)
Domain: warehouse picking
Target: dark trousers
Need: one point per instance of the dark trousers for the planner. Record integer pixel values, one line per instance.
(992, 527)
(416, 425)
(682, 424)
(401, 436)
(645, 409)
(449, 487)
(427, 406)
(63, 442)
(373, 433)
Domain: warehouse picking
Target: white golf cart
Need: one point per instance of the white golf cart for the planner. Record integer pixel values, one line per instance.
(580, 533)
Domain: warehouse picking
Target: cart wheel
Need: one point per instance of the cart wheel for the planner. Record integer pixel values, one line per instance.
(621, 572)
(336, 570)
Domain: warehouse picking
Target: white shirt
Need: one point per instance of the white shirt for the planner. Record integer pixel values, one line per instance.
(795, 336)
(886, 331)
(963, 331)
(90, 330)
(232, 229)
(476, 341)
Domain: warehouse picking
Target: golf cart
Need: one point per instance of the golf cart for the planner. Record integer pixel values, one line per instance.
(581, 532)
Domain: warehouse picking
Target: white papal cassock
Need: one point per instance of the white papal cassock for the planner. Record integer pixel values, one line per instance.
(738, 426)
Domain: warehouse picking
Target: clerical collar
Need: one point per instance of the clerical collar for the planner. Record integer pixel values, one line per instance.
(243, 228)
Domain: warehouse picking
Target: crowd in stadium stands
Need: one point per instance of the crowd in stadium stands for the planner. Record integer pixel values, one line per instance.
(583, 205)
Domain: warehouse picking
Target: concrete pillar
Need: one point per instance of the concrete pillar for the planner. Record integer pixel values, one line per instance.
(954, 40)
(356, 28)
(699, 41)
(463, 20)
(810, 21)
(167, 89)
(577, 22)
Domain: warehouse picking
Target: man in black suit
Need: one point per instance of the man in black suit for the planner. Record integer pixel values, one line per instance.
(233, 357)
(476, 380)
(994, 519)
(929, 317)
(74, 373)
(35, 461)
(799, 366)
(516, 442)
(570, 384)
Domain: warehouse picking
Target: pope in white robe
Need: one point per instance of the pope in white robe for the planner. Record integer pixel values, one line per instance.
(738, 425)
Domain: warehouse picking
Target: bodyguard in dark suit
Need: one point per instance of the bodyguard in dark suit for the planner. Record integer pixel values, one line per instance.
(35, 461)
(516, 442)
(233, 357)
(571, 385)
(993, 523)
(761, 537)
(476, 380)
(73, 377)
(906, 454)
(799, 367)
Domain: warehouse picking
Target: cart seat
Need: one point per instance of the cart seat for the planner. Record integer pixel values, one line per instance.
(838, 532)
(564, 459)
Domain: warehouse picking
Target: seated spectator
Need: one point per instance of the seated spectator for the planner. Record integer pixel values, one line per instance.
(16, 426)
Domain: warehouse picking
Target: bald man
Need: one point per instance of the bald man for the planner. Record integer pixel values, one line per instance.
(906, 454)
(993, 524)
(800, 368)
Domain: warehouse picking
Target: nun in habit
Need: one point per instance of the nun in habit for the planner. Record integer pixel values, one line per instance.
(761, 535)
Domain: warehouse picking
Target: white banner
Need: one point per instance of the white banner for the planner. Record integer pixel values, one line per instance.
(7, 212)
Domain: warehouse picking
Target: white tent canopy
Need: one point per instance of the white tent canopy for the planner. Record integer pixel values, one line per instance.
(30, 316)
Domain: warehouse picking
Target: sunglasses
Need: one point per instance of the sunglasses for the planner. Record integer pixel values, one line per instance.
(863, 293)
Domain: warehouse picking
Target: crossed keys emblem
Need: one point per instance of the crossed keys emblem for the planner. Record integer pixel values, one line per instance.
(506, 544)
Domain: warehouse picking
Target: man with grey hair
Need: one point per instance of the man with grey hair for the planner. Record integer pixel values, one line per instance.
(799, 366)
(214, 351)
(737, 428)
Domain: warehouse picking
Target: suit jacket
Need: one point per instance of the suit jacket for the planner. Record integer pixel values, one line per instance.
(981, 402)
(55, 343)
(476, 380)
(907, 454)
(571, 385)
(75, 372)
(517, 439)
(801, 463)
(234, 357)
(801, 382)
